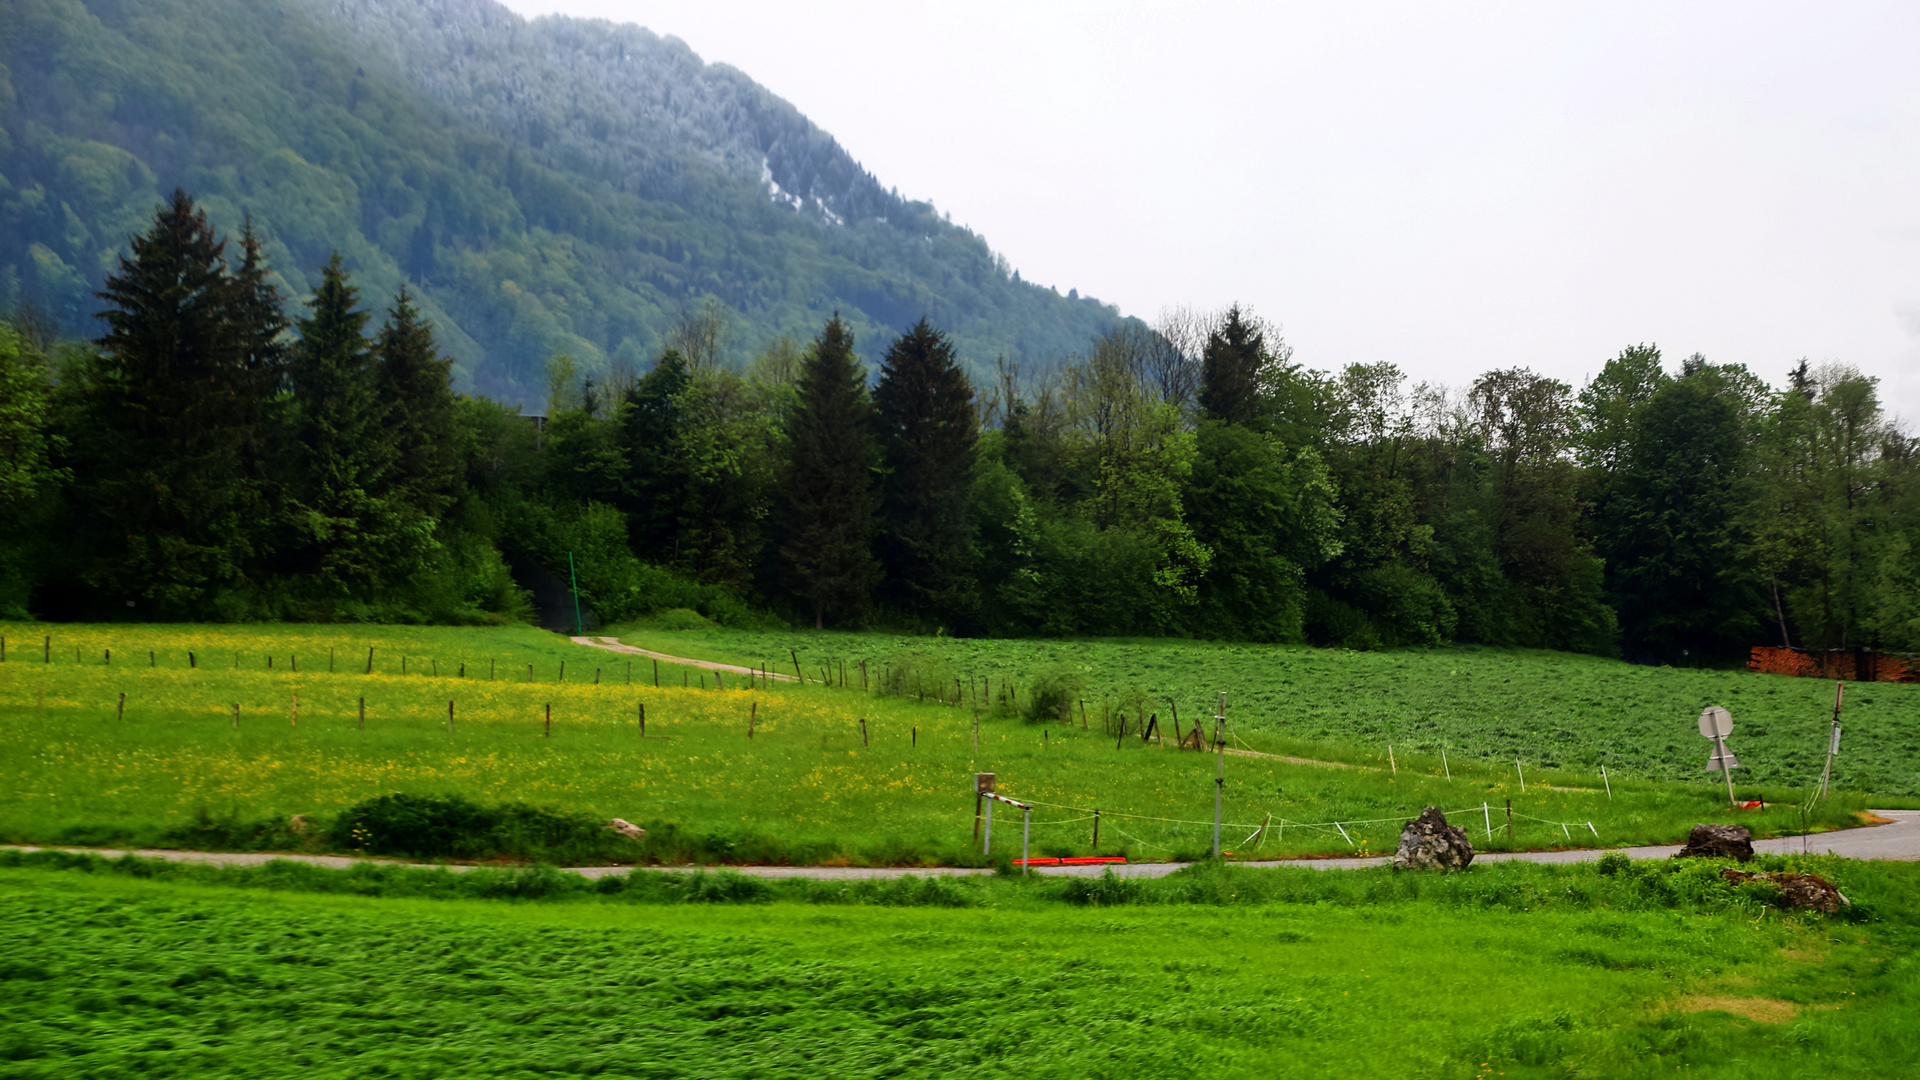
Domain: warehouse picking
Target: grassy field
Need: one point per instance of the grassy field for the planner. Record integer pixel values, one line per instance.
(1621, 971)
(1550, 710)
(172, 768)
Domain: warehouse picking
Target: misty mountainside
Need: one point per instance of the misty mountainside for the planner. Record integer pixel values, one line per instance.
(544, 186)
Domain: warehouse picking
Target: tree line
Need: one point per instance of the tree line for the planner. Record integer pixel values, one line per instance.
(208, 457)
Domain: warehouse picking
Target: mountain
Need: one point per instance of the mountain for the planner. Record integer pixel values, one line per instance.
(553, 185)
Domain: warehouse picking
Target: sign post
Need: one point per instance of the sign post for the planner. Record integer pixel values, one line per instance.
(1716, 723)
(1833, 739)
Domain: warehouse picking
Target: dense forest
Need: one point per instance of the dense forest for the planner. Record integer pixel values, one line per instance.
(540, 187)
(222, 451)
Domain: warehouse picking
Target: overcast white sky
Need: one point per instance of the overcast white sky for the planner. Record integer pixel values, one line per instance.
(1451, 188)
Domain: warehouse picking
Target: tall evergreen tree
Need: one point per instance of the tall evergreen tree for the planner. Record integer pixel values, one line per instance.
(650, 429)
(829, 480)
(1230, 369)
(928, 432)
(177, 407)
(416, 387)
(346, 528)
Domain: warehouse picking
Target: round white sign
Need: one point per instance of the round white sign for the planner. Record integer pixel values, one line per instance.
(1716, 722)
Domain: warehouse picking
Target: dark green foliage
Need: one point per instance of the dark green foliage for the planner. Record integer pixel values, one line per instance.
(177, 406)
(416, 388)
(827, 486)
(1235, 357)
(1679, 524)
(450, 826)
(928, 428)
(349, 534)
(650, 432)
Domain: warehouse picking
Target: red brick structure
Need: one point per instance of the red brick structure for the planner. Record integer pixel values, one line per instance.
(1851, 665)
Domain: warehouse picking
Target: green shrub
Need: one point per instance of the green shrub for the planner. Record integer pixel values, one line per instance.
(1054, 693)
(451, 826)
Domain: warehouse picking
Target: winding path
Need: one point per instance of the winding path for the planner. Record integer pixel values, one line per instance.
(611, 645)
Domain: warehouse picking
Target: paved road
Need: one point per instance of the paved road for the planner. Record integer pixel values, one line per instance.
(1900, 839)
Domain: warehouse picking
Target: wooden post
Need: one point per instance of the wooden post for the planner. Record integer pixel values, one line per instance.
(108, 661)
(236, 715)
(1046, 738)
(449, 717)
(269, 663)
(596, 676)
(1509, 821)
(656, 674)
(563, 671)
(863, 670)
(363, 714)
(796, 666)
(1096, 830)
(978, 801)
(369, 659)
(1083, 714)
(753, 714)
(151, 662)
(643, 719)
(120, 713)
(192, 662)
(957, 698)
(463, 669)
(549, 728)
(529, 672)
(863, 731)
(916, 735)
(294, 663)
(294, 720)
(976, 731)
(717, 683)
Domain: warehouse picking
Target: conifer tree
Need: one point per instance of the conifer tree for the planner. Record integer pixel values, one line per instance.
(928, 432)
(342, 458)
(177, 408)
(415, 386)
(650, 427)
(829, 483)
(1230, 370)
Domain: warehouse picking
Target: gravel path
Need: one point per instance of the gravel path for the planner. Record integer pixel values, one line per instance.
(1899, 839)
(611, 645)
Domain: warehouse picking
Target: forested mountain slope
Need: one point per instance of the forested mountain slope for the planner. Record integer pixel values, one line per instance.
(548, 186)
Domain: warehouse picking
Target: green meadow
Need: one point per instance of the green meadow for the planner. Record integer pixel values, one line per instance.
(1618, 970)
(1545, 709)
(730, 770)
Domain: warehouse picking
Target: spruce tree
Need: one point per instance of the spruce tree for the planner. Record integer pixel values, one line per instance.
(346, 527)
(650, 428)
(1230, 370)
(828, 484)
(928, 432)
(415, 385)
(177, 407)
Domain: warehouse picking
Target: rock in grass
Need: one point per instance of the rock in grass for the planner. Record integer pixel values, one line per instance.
(627, 829)
(1718, 842)
(1429, 843)
(1797, 891)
